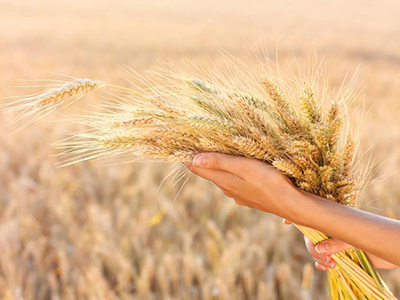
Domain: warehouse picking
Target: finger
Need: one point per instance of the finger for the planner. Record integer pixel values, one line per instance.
(328, 264)
(320, 267)
(223, 162)
(239, 202)
(222, 179)
(311, 249)
(332, 246)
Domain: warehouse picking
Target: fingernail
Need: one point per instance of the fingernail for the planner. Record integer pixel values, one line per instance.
(328, 258)
(199, 160)
(322, 248)
(332, 264)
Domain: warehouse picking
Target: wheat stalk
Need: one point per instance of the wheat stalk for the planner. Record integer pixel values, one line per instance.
(253, 114)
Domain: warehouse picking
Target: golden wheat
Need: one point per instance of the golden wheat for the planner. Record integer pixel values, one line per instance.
(256, 118)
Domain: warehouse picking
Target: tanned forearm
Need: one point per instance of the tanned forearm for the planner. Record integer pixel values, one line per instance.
(372, 233)
(255, 184)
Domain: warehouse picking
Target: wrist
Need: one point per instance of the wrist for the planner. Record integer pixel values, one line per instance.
(289, 204)
(298, 206)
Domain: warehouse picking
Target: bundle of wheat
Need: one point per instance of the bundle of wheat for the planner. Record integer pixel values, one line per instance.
(293, 122)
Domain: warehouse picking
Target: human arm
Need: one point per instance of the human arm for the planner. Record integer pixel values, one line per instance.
(258, 185)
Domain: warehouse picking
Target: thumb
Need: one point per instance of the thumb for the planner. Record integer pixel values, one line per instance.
(332, 246)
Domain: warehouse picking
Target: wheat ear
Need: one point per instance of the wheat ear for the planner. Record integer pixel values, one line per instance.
(38, 105)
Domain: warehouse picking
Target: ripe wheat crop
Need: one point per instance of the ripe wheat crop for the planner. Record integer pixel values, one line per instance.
(288, 119)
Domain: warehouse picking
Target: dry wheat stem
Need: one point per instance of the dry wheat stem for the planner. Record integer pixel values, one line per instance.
(265, 115)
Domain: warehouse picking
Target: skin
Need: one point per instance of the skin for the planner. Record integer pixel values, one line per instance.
(259, 185)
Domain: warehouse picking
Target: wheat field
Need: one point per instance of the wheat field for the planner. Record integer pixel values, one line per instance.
(100, 230)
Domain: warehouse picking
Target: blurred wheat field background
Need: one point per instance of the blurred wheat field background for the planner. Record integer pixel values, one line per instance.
(91, 231)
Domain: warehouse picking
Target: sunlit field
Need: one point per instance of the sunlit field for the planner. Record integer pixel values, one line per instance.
(114, 229)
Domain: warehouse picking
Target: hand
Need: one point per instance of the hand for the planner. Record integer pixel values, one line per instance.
(322, 253)
(249, 182)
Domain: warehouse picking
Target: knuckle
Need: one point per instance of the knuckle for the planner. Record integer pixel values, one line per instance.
(213, 161)
(218, 161)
